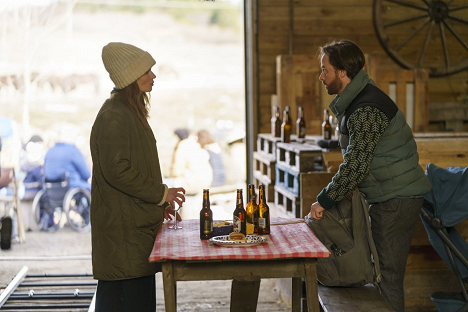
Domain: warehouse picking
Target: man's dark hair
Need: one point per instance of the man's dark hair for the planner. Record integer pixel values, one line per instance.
(344, 55)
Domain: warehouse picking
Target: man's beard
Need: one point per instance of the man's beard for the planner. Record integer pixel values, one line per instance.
(335, 86)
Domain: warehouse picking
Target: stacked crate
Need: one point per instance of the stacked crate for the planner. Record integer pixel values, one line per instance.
(293, 160)
(264, 160)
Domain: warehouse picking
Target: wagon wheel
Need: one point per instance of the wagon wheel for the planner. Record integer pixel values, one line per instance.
(430, 34)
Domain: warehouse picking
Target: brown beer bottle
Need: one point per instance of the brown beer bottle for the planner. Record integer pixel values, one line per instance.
(286, 126)
(276, 123)
(206, 217)
(300, 124)
(239, 215)
(252, 208)
(263, 212)
(326, 126)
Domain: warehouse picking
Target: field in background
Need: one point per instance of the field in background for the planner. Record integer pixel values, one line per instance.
(199, 85)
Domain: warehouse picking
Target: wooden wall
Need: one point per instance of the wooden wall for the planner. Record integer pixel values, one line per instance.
(302, 26)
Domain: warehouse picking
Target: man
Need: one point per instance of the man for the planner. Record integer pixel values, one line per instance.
(380, 158)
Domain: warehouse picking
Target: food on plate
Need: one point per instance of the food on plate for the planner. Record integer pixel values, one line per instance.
(236, 236)
(221, 223)
(221, 228)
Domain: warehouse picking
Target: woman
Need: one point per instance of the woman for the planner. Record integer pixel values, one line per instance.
(129, 201)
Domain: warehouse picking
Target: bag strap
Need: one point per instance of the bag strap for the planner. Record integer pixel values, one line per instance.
(370, 239)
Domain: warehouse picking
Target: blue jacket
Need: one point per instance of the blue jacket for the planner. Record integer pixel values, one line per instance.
(66, 157)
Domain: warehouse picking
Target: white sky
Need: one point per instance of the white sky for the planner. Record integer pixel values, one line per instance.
(5, 4)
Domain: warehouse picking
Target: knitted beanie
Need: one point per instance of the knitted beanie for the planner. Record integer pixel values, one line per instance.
(125, 63)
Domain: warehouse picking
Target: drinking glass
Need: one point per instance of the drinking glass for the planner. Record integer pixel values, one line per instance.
(176, 226)
(334, 123)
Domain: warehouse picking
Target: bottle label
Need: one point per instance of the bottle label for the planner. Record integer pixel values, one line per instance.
(261, 222)
(236, 224)
(301, 133)
(208, 227)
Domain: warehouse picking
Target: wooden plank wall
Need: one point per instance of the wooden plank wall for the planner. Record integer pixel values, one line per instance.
(302, 26)
(297, 86)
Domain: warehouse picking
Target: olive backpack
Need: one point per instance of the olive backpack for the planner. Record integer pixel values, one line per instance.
(345, 231)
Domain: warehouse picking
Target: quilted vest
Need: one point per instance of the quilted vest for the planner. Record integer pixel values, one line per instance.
(394, 169)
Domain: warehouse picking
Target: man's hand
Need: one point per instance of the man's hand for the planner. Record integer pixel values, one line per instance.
(316, 211)
(350, 195)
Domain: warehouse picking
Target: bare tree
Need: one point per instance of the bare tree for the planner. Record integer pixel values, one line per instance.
(26, 24)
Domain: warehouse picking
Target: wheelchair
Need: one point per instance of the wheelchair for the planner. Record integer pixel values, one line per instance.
(56, 198)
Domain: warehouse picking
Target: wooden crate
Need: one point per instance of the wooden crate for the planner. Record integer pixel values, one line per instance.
(269, 185)
(297, 85)
(298, 157)
(332, 160)
(288, 178)
(443, 150)
(266, 143)
(264, 165)
(311, 184)
(287, 204)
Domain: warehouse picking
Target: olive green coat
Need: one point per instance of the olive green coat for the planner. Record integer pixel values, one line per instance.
(126, 194)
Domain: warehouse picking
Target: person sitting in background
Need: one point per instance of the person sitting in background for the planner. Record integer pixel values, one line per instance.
(65, 158)
(191, 166)
(182, 134)
(216, 161)
(32, 167)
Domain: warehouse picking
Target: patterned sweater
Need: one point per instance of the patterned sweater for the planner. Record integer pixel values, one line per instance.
(366, 126)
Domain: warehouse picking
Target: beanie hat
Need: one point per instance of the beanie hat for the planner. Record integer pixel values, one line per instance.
(125, 63)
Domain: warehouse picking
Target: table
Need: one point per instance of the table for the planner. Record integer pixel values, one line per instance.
(290, 252)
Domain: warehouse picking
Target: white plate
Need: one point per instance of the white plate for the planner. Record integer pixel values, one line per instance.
(251, 240)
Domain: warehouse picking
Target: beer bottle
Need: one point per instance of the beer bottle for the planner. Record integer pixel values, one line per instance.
(276, 123)
(300, 124)
(326, 126)
(263, 212)
(239, 215)
(252, 209)
(206, 217)
(286, 126)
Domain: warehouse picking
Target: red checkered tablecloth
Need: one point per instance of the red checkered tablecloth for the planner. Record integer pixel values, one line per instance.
(293, 240)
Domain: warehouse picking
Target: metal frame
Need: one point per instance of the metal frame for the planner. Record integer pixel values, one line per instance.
(436, 224)
(9, 297)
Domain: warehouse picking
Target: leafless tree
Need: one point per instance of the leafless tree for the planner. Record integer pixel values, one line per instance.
(26, 24)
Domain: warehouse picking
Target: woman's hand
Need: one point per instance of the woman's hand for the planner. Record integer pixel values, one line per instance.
(169, 211)
(316, 211)
(175, 195)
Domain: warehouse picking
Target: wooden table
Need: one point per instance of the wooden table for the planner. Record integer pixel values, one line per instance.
(290, 252)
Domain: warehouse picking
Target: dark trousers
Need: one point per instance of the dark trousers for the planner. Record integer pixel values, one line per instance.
(244, 295)
(136, 294)
(393, 225)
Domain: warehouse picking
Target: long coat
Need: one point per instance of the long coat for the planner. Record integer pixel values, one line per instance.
(127, 193)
